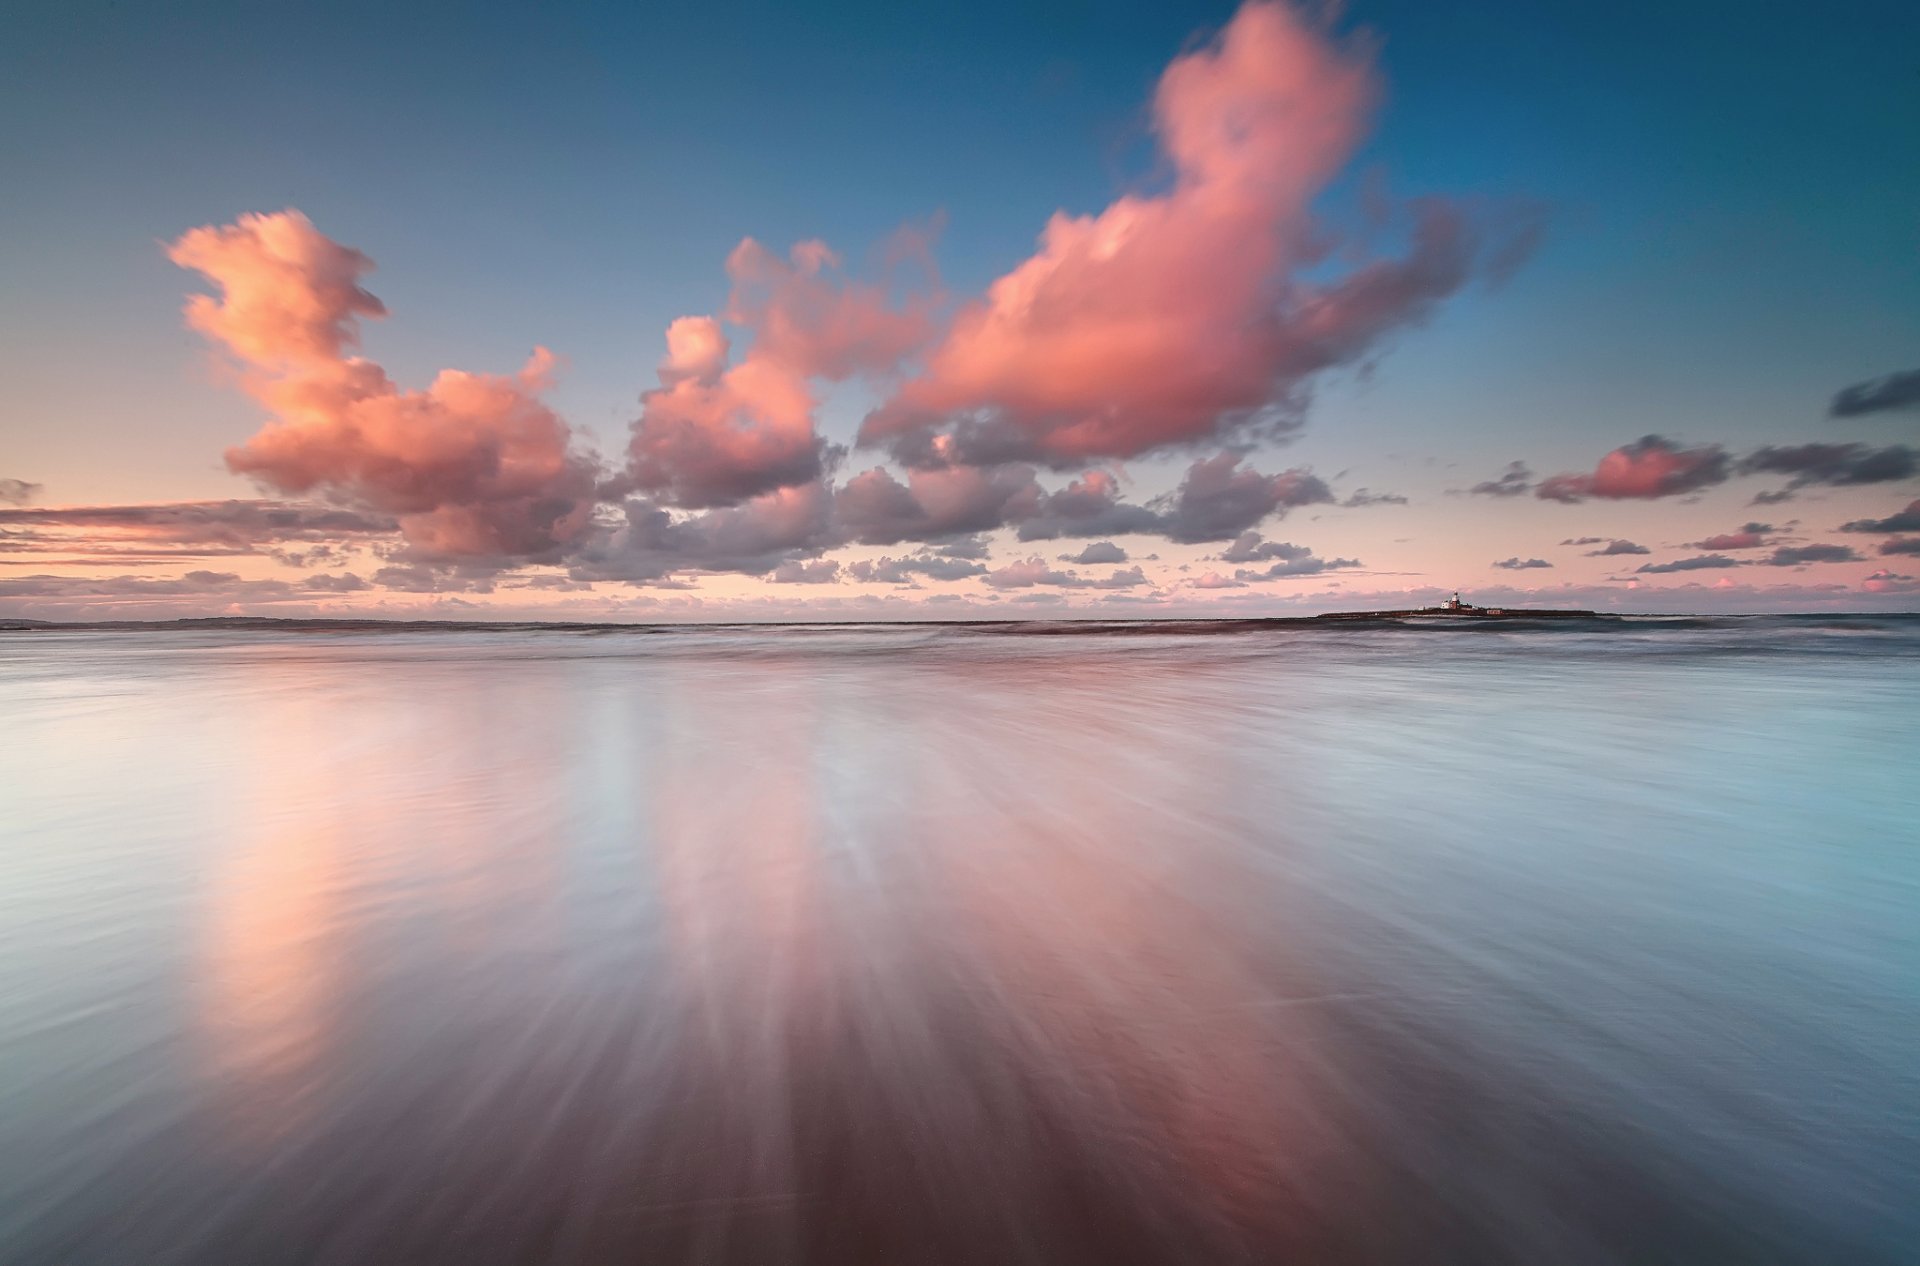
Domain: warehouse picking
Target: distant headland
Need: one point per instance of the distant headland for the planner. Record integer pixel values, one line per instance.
(1456, 608)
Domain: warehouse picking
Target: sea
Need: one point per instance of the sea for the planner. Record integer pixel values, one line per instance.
(1403, 942)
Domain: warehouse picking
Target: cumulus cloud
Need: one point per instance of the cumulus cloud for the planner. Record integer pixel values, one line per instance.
(965, 547)
(1121, 578)
(1097, 552)
(1296, 561)
(1907, 520)
(473, 465)
(1251, 547)
(419, 578)
(1088, 506)
(1174, 318)
(1901, 545)
(1795, 555)
(1515, 481)
(819, 571)
(875, 508)
(1704, 562)
(715, 433)
(1650, 467)
(1028, 572)
(1751, 536)
(18, 492)
(1361, 497)
(1517, 563)
(1614, 549)
(1217, 499)
(1878, 395)
(906, 571)
(650, 544)
(1834, 464)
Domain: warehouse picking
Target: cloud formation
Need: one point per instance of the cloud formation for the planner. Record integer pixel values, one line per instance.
(1292, 561)
(18, 492)
(1522, 564)
(715, 433)
(1515, 481)
(1795, 555)
(1360, 498)
(1650, 467)
(819, 571)
(153, 533)
(1218, 499)
(1907, 520)
(1283, 559)
(1704, 562)
(886, 570)
(1839, 465)
(473, 465)
(1878, 395)
(1614, 549)
(1179, 317)
(875, 508)
(1751, 536)
(1097, 552)
(1029, 572)
(1088, 506)
(649, 544)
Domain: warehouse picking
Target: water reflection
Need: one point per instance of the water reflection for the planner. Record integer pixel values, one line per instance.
(910, 947)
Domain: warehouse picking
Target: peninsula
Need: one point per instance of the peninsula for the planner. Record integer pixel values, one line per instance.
(1455, 608)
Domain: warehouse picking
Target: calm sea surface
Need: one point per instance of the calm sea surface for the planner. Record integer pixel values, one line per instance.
(1567, 944)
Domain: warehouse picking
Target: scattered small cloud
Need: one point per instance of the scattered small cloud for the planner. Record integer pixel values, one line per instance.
(1907, 520)
(795, 571)
(1705, 562)
(1751, 536)
(1097, 552)
(1650, 467)
(1516, 480)
(1838, 465)
(1795, 555)
(1878, 395)
(1517, 563)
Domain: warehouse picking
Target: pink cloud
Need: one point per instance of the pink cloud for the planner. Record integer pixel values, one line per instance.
(473, 465)
(1172, 318)
(1650, 467)
(1752, 536)
(714, 434)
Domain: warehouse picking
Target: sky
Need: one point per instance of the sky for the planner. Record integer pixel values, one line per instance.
(716, 312)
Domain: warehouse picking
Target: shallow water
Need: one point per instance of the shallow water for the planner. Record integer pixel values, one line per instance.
(1578, 943)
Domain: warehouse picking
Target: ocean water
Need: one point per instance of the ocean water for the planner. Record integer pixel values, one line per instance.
(1571, 943)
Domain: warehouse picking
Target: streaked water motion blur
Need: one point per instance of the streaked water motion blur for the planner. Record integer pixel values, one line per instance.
(1047, 944)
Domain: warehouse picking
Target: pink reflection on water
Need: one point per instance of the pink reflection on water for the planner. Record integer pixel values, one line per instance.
(269, 981)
